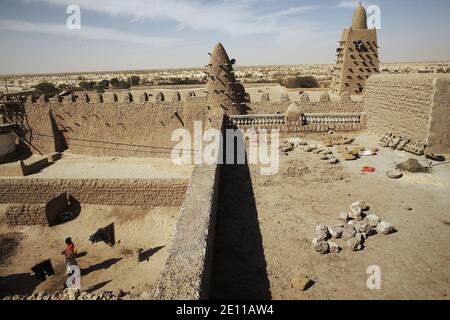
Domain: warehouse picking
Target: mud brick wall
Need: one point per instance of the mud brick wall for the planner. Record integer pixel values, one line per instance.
(39, 124)
(37, 214)
(273, 107)
(187, 272)
(145, 193)
(439, 138)
(401, 104)
(26, 214)
(113, 128)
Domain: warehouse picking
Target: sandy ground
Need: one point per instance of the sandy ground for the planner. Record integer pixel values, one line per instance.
(80, 166)
(103, 267)
(265, 228)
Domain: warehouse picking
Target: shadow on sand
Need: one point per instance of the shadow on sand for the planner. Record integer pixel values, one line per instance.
(145, 255)
(20, 283)
(99, 266)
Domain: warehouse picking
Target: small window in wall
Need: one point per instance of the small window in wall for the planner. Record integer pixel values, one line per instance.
(360, 46)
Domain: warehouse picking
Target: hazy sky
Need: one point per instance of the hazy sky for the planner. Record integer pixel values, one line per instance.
(149, 34)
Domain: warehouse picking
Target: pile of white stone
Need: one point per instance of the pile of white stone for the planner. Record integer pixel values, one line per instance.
(324, 153)
(358, 227)
(290, 144)
(70, 294)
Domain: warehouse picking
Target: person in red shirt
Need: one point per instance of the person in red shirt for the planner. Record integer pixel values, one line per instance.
(69, 253)
(73, 278)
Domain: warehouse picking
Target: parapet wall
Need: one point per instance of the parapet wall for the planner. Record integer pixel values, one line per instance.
(345, 105)
(46, 214)
(187, 272)
(414, 107)
(114, 192)
(26, 214)
(127, 127)
(295, 121)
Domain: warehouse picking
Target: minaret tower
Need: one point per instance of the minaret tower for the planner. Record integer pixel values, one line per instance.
(357, 56)
(224, 92)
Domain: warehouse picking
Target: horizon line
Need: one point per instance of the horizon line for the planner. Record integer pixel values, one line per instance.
(193, 68)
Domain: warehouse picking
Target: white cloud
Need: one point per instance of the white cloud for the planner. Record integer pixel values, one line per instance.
(291, 11)
(348, 4)
(227, 16)
(86, 32)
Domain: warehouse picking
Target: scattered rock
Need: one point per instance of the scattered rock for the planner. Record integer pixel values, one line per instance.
(83, 296)
(333, 233)
(348, 157)
(386, 228)
(32, 297)
(322, 233)
(338, 229)
(394, 174)
(317, 151)
(334, 247)
(333, 161)
(347, 140)
(320, 246)
(56, 296)
(301, 282)
(42, 295)
(343, 216)
(373, 220)
(348, 232)
(364, 227)
(356, 243)
(356, 209)
(287, 149)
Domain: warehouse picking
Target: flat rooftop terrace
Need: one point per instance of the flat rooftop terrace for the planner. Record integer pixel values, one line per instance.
(72, 166)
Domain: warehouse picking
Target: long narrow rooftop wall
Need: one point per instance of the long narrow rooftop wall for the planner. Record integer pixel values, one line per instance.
(128, 127)
(146, 193)
(187, 272)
